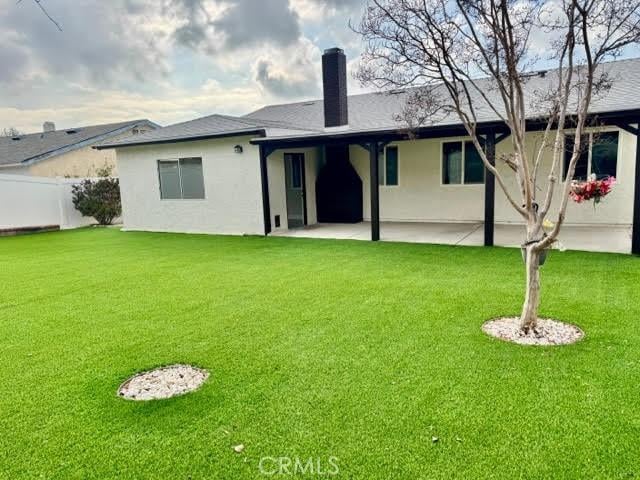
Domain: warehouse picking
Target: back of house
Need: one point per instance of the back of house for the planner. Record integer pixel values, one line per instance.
(346, 160)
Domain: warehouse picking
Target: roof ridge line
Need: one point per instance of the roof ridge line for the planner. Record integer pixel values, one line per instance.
(254, 122)
(82, 127)
(86, 140)
(283, 124)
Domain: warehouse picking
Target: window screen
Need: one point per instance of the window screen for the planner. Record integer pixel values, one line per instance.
(391, 166)
(296, 172)
(192, 179)
(181, 179)
(473, 166)
(604, 154)
(452, 163)
(169, 179)
(582, 165)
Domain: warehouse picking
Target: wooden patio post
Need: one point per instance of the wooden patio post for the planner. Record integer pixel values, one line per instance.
(374, 153)
(264, 180)
(635, 237)
(489, 191)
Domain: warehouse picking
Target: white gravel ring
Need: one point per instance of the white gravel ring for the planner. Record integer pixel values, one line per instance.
(163, 382)
(550, 332)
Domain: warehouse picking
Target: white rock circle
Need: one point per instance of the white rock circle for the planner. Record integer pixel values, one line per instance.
(163, 382)
(549, 332)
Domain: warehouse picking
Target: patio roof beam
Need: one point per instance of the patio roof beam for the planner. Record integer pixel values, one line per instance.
(617, 118)
(363, 139)
(628, 128)
(489, 191)
(269, 149)
(501, 137)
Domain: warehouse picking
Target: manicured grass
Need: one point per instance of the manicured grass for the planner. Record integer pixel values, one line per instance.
(356, 350)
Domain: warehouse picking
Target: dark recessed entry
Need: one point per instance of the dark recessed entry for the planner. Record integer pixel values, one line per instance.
(338, 188)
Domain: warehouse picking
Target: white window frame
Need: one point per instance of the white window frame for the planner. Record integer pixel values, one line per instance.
(463, 141)
(590, 132)
(181, 199)
(383, 165)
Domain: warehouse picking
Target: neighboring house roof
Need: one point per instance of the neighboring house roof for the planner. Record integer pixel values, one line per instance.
(376, 112)
(21, 150)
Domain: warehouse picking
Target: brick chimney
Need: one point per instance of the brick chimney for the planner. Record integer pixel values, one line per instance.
(334, 80)
(48, 127)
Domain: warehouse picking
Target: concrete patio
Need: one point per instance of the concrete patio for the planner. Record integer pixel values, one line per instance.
(614, 239)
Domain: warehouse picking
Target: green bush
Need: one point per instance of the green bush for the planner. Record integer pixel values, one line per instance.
(99, 199)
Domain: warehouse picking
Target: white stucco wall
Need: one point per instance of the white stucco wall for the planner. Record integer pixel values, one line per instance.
(420, 195)
(233, 194)
(233, 202)
(28, 201)
(277, 190)
(84, 162)
(615, 209)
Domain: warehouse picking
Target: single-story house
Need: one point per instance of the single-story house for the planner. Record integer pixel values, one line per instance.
(68, 152)
(345, 163)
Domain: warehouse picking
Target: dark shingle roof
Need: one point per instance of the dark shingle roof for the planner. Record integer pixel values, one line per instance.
(378, 111)
(38, 146)
(208, 127)
(372, 112)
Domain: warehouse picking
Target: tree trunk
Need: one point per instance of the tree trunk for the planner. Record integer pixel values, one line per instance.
(529, 316)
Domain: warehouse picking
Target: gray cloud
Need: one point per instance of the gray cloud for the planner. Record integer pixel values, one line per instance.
(197, 28)
(191, 35)
(98, 42)
(118, 58)
(113, 43)
(134, 6)
(243, 23)
(249, 22)
(14, 61)
(290, 77)
(279, 85)
(345, 4)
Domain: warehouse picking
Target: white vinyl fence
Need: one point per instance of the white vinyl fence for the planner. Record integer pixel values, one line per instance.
(27, 201)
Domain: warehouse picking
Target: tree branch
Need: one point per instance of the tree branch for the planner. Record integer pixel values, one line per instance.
(46, 13)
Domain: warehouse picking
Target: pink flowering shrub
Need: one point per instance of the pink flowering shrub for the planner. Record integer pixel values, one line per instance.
(591, 189)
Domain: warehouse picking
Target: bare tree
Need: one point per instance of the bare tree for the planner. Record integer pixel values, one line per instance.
(10, 132)
(472, 60)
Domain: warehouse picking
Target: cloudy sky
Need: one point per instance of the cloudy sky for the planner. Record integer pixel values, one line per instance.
(166, 60)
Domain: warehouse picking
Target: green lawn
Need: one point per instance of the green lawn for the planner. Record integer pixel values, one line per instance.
(356, 350)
